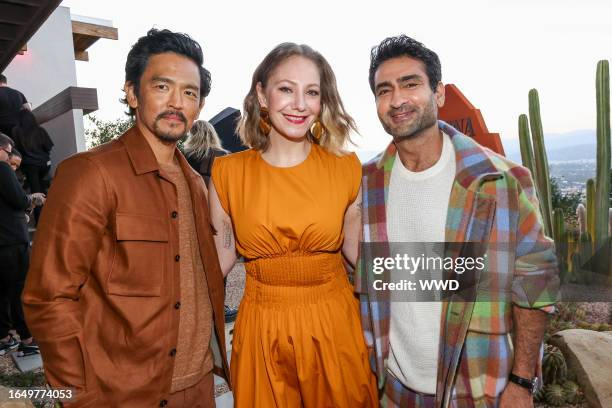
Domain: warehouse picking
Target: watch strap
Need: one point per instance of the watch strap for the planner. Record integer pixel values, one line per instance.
(523, 382)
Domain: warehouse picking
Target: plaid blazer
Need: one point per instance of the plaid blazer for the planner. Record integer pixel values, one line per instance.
(492, 201)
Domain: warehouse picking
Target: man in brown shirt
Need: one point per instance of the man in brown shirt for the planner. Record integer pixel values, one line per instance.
(124, 292)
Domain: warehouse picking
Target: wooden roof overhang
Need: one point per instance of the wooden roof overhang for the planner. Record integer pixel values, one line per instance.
(19, 20)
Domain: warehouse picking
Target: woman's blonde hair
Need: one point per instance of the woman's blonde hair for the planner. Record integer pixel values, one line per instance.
(337, 123)
(201, 138)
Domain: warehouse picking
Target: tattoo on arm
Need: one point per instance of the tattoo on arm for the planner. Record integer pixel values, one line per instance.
(227, 234)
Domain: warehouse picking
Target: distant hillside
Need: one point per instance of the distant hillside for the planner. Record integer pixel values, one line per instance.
(574, 145)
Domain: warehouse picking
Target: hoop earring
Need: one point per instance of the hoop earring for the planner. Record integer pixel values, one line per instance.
(317, 130)
(264, 121)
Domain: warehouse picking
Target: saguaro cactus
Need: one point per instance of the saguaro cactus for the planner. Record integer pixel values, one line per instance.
(525, 142)
(559, 235)
(581, 214)
(541, 161)
(590, 207)
(602, 190)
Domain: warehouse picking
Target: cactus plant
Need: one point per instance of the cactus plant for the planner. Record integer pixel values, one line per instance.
(558, 225)
(581, 214)
(602, 189)
(554, 395)
(590, 207)
(577, 266)
(539, 395)
(604, 327)
(554, 367)
(585, 247)
(571, 238)
(559, 235)
(571, 392)
(541, 161)
(525, 143)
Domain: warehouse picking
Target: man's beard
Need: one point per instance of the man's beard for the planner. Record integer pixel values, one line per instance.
(424, 120)
(167, 137)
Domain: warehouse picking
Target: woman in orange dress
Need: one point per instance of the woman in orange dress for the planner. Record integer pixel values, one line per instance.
(290, 207)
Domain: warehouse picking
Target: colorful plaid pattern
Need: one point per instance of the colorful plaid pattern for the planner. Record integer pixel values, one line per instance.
(492, 201)
(398, 396)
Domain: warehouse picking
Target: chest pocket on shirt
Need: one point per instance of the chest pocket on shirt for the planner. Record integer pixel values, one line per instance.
(140, 255)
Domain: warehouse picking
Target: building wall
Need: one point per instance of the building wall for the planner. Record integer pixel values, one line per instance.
(64, 130)
(47, 68)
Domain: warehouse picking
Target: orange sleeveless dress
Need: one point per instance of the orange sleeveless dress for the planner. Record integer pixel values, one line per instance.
(297, 340)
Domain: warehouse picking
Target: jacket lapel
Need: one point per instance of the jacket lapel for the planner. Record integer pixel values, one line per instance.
(376, 176)
(469, 221)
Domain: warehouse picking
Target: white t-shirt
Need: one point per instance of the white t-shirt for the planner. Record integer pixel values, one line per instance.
(416, 212)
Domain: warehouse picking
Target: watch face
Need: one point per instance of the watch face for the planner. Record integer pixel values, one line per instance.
(534, 385)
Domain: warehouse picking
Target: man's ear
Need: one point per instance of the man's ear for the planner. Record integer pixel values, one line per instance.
(130, 95)
(440, 94)
(261, 97)
(202, 103)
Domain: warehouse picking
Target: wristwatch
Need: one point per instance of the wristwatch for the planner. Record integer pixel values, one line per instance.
(524, 382)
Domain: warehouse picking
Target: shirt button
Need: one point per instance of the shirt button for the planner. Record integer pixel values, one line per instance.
(163, 403)
(177, 258)
(174, 214)
(177, 305)
(173, 352)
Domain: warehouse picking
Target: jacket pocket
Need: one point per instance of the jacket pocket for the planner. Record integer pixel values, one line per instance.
(140, 254)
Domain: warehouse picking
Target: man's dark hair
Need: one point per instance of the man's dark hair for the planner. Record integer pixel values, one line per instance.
(2, 79)
(404, 46)
(5, 140)
(159, 42)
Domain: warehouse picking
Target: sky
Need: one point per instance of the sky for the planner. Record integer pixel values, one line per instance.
(495, 51)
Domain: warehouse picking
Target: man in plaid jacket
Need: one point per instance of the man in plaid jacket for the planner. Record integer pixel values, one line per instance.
(480, 348)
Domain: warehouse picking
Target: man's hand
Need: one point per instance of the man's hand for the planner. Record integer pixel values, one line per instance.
(38, 199)
(515, 396)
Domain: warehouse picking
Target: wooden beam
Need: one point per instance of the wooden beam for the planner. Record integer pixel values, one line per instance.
(8, 31)
(94, 30)
(30, 18)
(70, 98)
(83, 42)
(16, 13)
(81, 55)
(33, 3)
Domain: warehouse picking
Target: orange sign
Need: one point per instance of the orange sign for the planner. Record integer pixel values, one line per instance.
(463, 116)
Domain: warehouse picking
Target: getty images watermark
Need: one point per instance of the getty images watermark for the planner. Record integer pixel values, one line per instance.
(456, 271)
(428, 267)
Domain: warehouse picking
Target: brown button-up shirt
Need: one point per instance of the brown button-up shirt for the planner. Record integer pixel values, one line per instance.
(193, 358)
(103, 287)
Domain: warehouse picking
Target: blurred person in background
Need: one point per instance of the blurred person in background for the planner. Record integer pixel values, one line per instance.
(35, 145)
(15, 162)
(201, 148)
(14, 253)
(11, 103)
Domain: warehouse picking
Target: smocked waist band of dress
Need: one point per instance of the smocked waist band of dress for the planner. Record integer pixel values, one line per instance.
(295, 278)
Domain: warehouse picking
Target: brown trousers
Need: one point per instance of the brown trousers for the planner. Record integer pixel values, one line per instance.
(201, 395)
